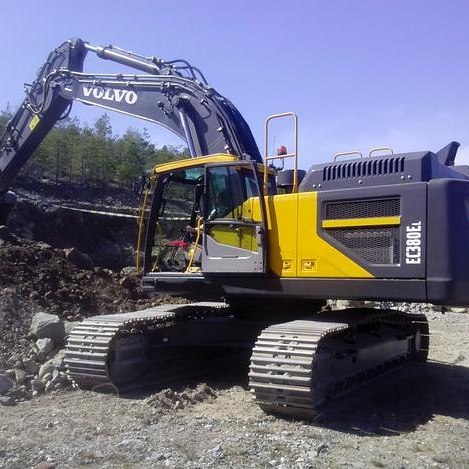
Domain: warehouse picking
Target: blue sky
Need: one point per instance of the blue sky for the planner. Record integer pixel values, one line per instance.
(359, 73)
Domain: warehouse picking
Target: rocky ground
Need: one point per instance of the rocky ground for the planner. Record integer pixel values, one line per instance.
(418, 420)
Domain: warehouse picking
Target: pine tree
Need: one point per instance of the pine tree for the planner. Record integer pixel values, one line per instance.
(93, 155)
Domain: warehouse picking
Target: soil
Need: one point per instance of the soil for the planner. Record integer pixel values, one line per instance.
(419, 419)
(37, 277)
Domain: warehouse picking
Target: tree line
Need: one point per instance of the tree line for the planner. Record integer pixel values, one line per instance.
(93, 155)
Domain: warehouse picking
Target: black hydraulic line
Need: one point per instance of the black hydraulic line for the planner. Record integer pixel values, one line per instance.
(185, 126)
(194, 71)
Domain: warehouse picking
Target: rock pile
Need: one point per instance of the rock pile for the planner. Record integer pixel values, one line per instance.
(35, 276)
(42, 369)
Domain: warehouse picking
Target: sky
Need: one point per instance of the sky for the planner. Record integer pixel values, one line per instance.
(359, 73)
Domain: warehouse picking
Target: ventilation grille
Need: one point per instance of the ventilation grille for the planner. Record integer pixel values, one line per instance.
(362, 208)
(360, 169)
(375, 245)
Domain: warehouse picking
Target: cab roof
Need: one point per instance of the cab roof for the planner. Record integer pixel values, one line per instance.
(193, 162)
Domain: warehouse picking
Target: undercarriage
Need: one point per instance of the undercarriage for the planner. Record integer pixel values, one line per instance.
(297, 368)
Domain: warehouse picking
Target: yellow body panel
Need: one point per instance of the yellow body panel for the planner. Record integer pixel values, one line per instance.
(325, 260)
(243, 237)
(362, 222)
(199, 161)
(282, 220)
(294, 246)
(237, 235)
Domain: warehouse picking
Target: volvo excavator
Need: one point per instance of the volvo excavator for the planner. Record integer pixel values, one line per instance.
(258, 249)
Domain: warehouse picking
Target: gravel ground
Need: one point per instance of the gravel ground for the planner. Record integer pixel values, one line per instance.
(418, 421)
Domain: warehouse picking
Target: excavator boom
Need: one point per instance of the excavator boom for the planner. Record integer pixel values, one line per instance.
(172, 94)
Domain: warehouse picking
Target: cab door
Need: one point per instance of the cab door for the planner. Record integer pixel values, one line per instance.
(234, 234)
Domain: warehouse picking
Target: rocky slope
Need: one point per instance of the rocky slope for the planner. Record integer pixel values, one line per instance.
(36, 277)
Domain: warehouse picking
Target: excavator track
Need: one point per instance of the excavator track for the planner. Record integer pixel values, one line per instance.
(299, 368)
(112, 351)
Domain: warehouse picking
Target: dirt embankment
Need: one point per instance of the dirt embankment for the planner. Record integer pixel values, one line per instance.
(66, 216)
(70, 263)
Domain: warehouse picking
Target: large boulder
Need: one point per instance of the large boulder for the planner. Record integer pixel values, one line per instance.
(47, 326)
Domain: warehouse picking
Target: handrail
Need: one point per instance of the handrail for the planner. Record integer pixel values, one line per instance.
(347, 153)
(293, 155)
(374, 150)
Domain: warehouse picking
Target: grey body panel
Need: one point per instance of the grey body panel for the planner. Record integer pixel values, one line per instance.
(447, 241)
(218, 257)
(403, 168)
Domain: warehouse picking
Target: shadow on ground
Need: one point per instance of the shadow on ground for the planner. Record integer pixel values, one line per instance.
(407, 401)
(396, 404)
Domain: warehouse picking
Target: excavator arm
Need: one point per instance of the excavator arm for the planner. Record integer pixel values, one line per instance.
(38, 113)
(172, 94)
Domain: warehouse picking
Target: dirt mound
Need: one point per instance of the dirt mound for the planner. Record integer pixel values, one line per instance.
(171, 399)
(37, 277)
(39, 273)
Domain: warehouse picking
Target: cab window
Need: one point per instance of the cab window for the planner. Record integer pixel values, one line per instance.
(228, 188)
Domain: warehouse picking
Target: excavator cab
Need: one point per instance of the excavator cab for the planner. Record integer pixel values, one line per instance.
(206, 218)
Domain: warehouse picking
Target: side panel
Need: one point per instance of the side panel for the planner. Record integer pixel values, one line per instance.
(383, 228)
(317, 257)
(282, 223)
(448, 241)
(228, 255)
(242, 236)
(295, 246)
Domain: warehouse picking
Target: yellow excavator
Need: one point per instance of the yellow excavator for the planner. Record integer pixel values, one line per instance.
(259, 249)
